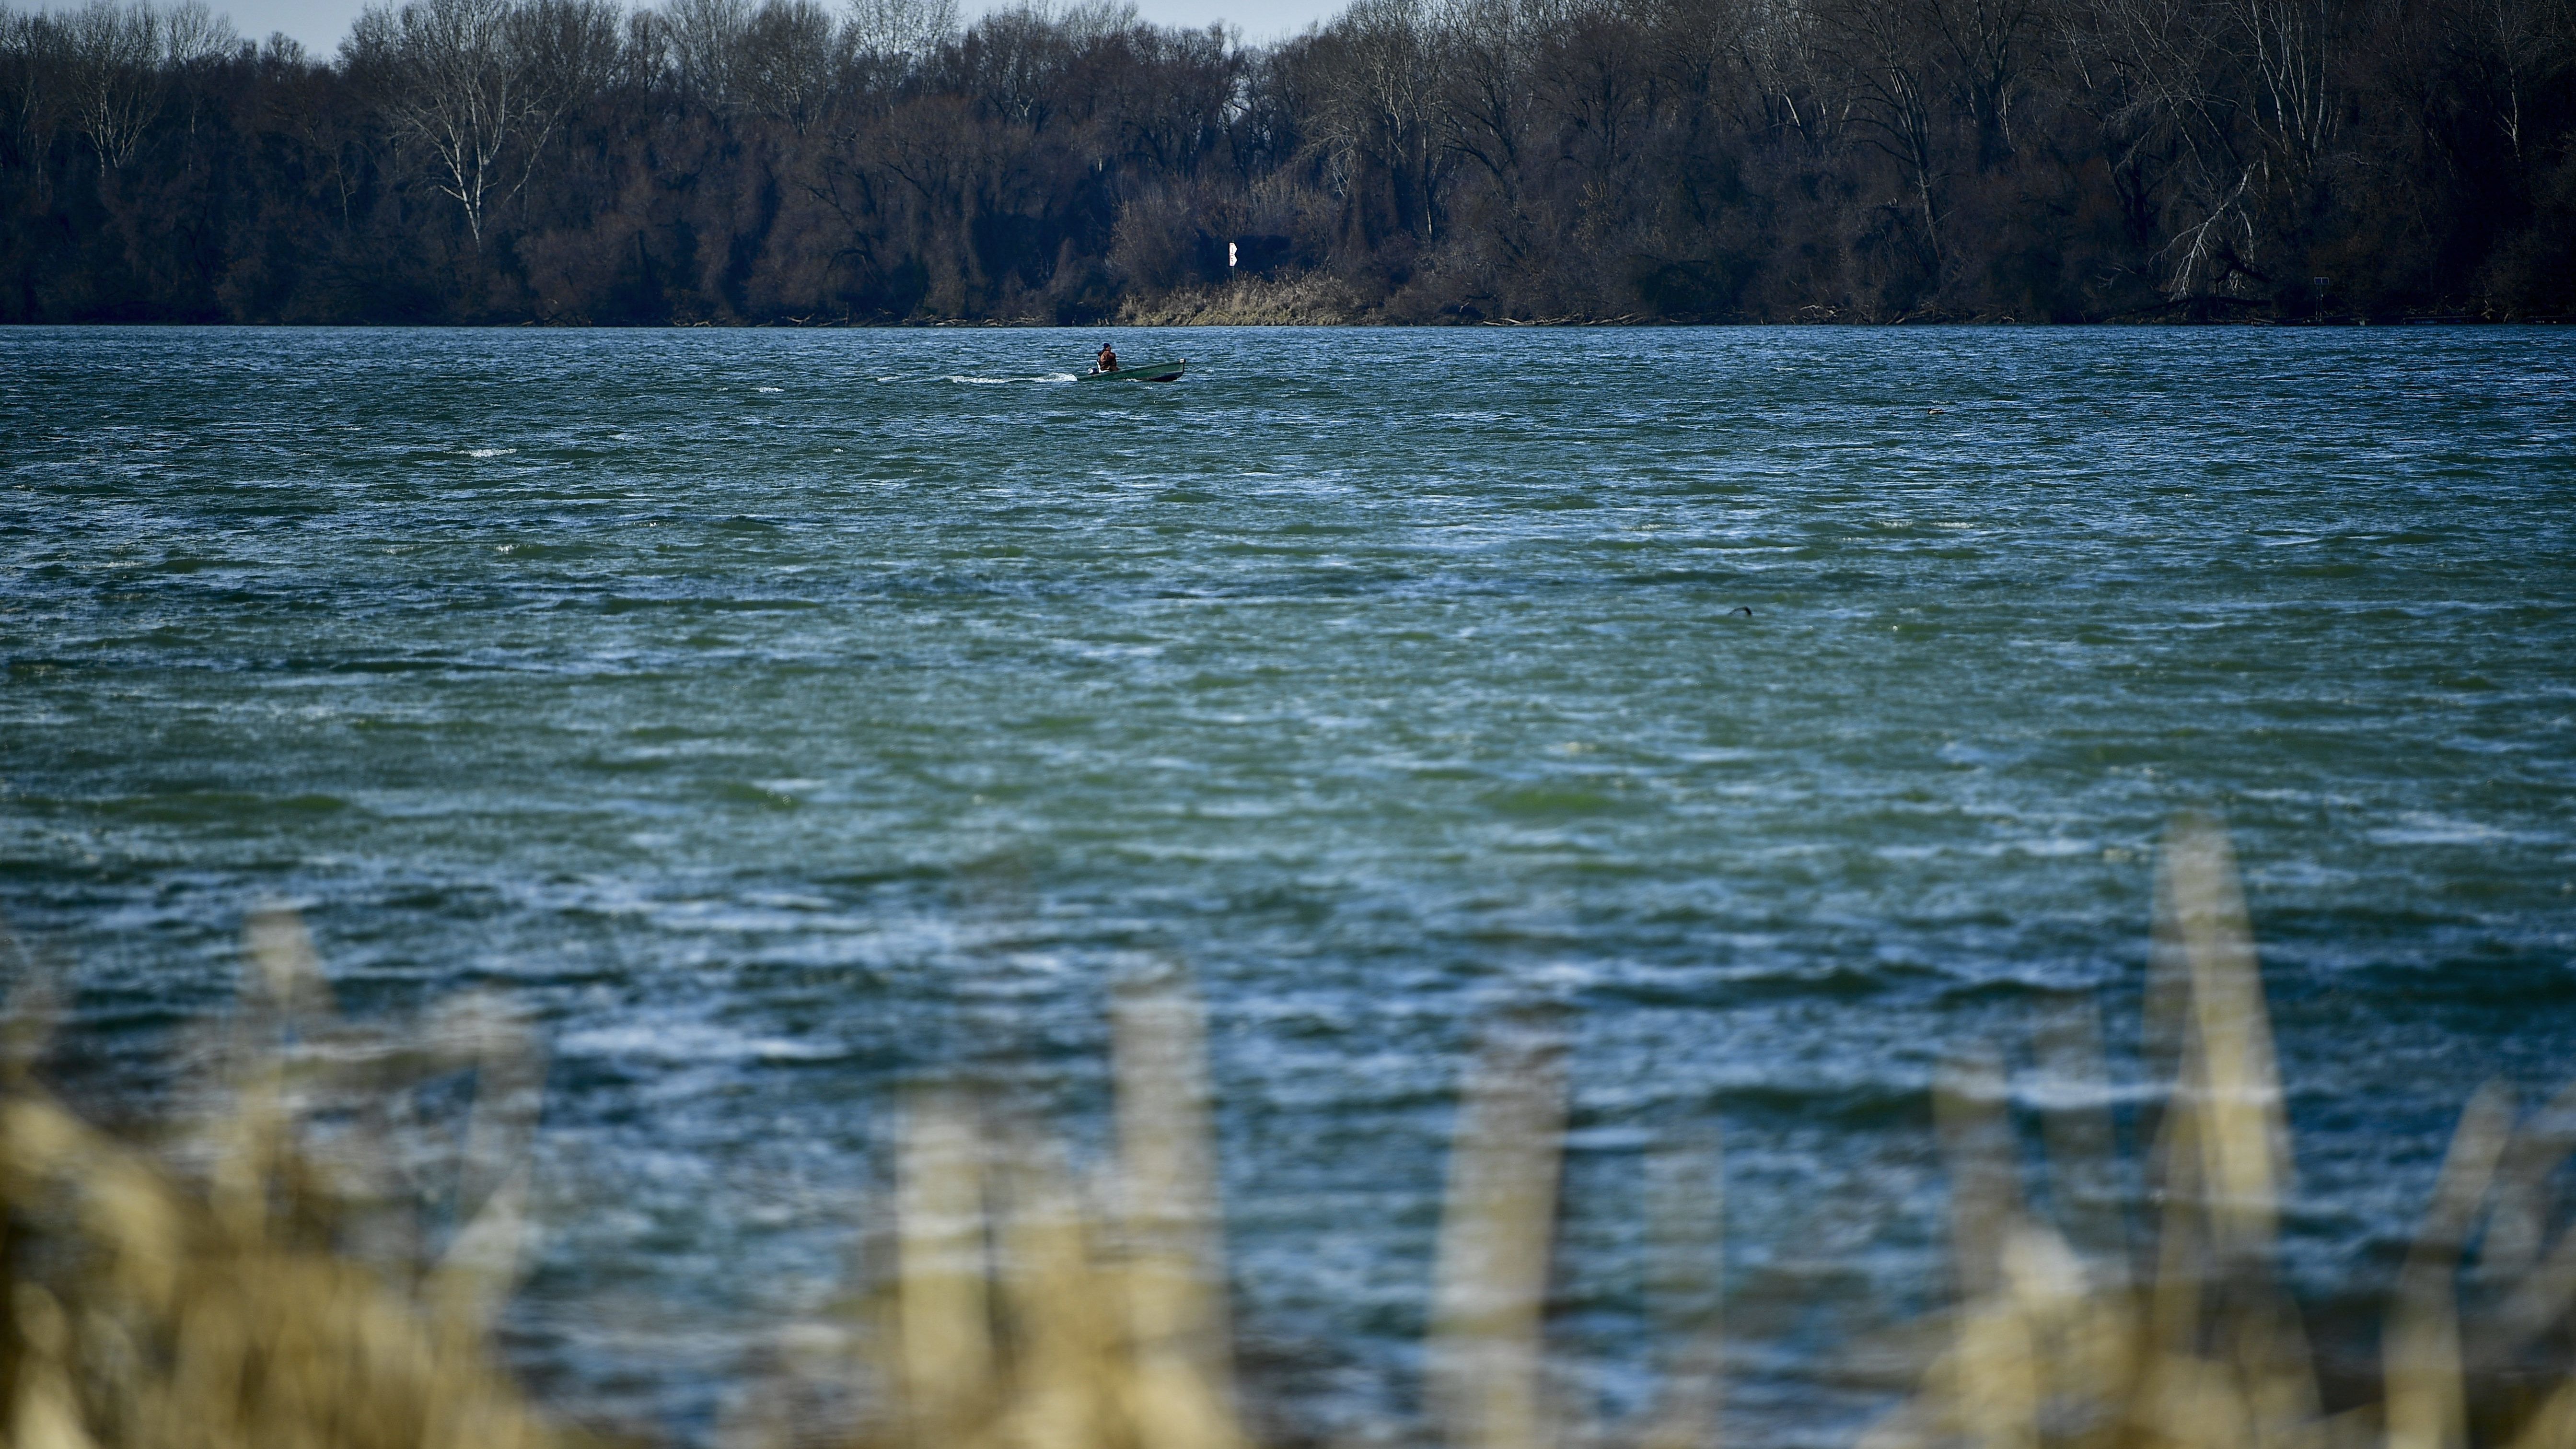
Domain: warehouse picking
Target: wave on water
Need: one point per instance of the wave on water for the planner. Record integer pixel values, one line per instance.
(694, 1043)
(489, 452)
(999, 381)
(769, 389)
(2423, 827)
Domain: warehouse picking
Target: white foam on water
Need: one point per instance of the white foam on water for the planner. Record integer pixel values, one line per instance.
(2052, 847)
(1961, 752)
(769, 389)
(691, 1042)
(2424, 828)
(489, 452)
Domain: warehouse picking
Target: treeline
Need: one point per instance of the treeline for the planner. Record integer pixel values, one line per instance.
(1411, 160)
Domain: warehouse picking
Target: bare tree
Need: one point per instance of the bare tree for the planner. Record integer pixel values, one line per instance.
(2510, 54)
(471, 79)
(1888, 66)
(1490, 50)
(114, 75)
(1593, 87)
(707, 40)
(643, 54)
(899, 35)
(1770, 48)
(2290, 46)
(1983, 41)
(569, 52)
(192, 35)
(334, 138)
(1163, 94)
(31, 63)
(194, 40)
(794, 53)
(1015, 59)
(2165, 66)
(1377, 106)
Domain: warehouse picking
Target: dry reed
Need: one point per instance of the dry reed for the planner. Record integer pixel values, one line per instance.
(275, 1298)
(1301, 299)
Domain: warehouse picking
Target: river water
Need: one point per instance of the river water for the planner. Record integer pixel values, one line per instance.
(784, 716)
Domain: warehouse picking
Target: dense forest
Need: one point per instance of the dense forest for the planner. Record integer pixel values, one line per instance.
(727, 161)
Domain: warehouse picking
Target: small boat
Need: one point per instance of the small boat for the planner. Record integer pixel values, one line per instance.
(1149, 372)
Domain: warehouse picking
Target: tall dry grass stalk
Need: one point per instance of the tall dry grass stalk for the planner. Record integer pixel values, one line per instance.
(277, 1297)
(1489, 1288)
(2174, 1331)
(280, 1296)
(1032, 1309)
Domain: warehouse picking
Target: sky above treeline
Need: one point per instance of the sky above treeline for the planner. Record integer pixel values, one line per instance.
(320, 24)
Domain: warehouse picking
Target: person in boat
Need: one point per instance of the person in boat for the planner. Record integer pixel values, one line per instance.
(1108, 360)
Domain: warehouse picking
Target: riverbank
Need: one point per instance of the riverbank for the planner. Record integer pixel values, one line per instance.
(1320, 299)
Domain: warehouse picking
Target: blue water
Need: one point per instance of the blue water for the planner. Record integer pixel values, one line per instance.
(785, 716)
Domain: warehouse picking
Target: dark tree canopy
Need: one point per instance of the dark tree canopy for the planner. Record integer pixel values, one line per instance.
(1411, 160)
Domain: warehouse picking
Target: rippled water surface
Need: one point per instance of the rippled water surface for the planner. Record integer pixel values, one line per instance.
(785, 716)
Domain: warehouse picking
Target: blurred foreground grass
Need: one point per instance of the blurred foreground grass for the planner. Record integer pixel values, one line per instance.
(312, 1264)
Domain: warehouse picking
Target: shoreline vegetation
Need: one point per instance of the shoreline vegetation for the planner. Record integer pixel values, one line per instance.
(1065, 162)
(298, 1266)
(1319, 299)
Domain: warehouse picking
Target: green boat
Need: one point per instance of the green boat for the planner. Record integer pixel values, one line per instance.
(1149, 372)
